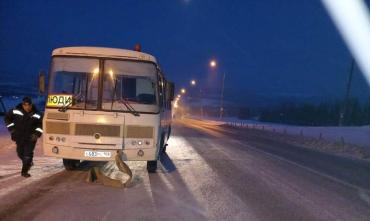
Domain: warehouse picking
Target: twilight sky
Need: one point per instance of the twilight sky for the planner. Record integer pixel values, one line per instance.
(273, 48)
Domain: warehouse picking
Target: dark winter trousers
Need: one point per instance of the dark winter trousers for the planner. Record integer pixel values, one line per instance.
(25, 153)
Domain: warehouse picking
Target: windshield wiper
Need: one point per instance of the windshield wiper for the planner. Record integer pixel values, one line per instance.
(123, 101)
(65, 107)
(129, 107)
(114, 93)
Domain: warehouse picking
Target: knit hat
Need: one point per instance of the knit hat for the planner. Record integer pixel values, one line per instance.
(27, 100)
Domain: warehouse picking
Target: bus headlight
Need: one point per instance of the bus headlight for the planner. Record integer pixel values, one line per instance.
(136, 143)
(51, 138)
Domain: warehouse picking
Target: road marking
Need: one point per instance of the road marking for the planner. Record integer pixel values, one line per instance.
(359, 189)
(364, 196)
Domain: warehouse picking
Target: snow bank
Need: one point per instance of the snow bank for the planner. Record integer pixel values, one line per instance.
(353, 135)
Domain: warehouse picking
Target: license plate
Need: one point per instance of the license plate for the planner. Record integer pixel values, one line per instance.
(97, 154)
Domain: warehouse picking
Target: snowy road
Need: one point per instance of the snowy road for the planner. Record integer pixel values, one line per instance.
(211, 172)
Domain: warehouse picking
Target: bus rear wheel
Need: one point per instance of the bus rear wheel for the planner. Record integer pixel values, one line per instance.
(70, 164)
(151, 166)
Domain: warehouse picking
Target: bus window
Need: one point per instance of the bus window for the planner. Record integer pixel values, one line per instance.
(77, 77)
(130, 81)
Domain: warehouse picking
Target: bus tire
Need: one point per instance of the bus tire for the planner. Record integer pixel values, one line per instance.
(151, 166)
(71, 164)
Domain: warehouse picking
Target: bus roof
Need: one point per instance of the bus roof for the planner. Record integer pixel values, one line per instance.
(104, 52)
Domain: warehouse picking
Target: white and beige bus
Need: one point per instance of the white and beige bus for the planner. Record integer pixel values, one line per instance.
(102, 100)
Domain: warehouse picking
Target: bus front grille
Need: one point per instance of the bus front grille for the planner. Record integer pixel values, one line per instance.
(57, 128)
(139, 132)
(103, 130)
(57, 116)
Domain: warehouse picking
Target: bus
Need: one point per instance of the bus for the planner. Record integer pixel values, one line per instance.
(101, 101)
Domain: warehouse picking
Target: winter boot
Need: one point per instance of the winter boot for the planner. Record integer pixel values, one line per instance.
(26, 167)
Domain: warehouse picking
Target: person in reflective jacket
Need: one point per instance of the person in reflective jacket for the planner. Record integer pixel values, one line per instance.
(24, 123)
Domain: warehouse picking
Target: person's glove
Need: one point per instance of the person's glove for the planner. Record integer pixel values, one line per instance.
(34, 137)
(11, 130)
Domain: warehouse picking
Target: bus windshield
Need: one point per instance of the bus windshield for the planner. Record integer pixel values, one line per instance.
(127, 85)
(130, 82)
(77, 77)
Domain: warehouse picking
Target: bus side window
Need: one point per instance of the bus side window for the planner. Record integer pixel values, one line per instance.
(166, 94)
(161, 94)
(168, 100)
(169, 93)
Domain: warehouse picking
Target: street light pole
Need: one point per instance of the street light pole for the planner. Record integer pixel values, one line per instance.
(213, 64)
(201, 103)
(347, 96)
(222, 96)
(193, 83)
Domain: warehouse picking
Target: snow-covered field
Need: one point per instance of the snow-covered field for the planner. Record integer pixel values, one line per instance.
(351, 135)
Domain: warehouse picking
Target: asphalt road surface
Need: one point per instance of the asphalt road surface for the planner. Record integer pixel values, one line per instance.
(210, 172)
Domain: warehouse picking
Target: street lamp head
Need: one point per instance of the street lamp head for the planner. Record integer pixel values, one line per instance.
(193, 82)
(183, 91)
(213, 63)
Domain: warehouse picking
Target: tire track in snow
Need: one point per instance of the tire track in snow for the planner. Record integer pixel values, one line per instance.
(12, 180)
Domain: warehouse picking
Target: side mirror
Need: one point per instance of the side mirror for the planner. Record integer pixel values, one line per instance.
(42, 78)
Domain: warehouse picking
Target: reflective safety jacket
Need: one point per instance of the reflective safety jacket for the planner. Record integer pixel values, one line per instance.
(23, 125)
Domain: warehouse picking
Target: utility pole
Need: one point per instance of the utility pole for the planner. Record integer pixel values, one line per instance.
(348, 93)
(201, 103)
(222, 96)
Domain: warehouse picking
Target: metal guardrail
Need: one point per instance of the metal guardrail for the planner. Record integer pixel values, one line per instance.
(282, 130)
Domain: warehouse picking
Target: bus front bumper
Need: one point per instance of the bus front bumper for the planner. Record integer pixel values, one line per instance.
(67, 152)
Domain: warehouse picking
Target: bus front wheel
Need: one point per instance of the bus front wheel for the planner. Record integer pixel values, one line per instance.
(151, 166)
(70, 164)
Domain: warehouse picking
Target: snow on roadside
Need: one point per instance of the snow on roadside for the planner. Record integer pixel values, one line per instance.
(10, 166)
(10, 179)
(350, 135)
